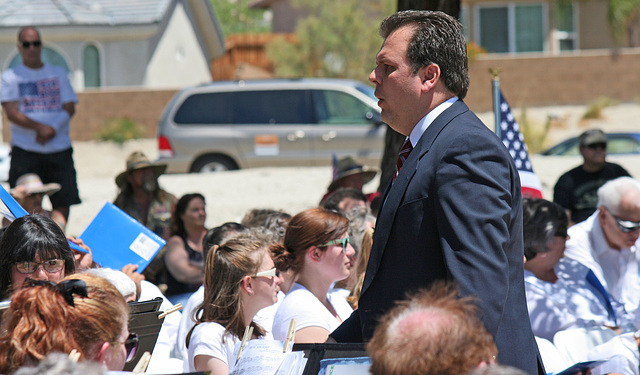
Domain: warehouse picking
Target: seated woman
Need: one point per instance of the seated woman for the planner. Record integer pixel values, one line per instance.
(316, 248)
(561, 293)
(33, 246)
(240, 279)
(183, 259)
(83, 312)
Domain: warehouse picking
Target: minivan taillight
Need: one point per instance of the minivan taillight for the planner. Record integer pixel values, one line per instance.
(164, 147)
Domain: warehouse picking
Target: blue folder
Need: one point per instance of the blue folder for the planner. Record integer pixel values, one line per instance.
(116, 239)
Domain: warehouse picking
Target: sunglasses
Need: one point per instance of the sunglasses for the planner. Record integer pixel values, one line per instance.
(268, 273)
(595, 146)
(35, 43)
(342, 241)
(625, 226)
(131, 345)
(51, 266)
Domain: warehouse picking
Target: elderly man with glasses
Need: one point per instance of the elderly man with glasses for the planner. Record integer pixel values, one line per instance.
(576, 190)
(607, 242)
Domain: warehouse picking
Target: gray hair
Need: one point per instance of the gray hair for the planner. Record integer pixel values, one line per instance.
(119, 279)
(60, 364)
(611, 193)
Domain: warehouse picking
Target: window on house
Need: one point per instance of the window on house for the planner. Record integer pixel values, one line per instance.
(512, 28)
(565, 34)
(91, 66)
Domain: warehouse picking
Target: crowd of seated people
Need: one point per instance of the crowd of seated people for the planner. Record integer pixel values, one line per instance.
(273, 267)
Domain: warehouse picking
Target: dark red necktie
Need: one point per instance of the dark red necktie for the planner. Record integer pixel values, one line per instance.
(402, 156)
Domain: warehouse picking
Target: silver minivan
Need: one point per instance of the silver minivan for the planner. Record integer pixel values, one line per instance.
(284, 122)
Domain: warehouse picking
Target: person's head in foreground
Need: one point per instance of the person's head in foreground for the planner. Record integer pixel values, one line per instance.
(545, 232)
(82, 312)
(61, 364)
(240, 279)
(619, 211)
(433, 332)
(422, 63)
(33, 246)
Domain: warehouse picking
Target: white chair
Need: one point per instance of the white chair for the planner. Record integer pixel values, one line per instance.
(553, 361)
(574, 344)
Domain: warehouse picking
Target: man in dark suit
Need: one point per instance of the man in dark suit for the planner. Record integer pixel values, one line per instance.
(454, 209)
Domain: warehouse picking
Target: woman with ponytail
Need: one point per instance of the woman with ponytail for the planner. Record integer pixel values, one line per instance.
(316, 249)
(82, 312)
(240, 279)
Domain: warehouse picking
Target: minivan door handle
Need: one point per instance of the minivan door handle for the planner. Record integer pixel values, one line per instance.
(298, 134)
(329, 136)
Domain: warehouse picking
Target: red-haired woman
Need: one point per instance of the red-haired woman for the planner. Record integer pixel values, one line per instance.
(83, 312)
(316, 248)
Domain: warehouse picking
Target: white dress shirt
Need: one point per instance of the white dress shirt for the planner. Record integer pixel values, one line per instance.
(616, 269)
(622, 352)
(570, 302)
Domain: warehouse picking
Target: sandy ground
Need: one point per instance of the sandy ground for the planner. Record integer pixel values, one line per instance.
(230, 195)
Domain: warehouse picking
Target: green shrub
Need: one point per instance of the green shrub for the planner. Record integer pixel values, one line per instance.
(119, 130)
(594, 111)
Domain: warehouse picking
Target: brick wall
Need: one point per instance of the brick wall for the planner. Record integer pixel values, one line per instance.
(536, 81)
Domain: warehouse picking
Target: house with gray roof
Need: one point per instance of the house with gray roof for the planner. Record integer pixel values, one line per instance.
(156, 44)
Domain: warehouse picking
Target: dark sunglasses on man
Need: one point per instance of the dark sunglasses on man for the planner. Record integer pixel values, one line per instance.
(595, 146)
(35, 44)
(625, 226)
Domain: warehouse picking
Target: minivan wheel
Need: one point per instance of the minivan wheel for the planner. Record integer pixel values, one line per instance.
(213, 163)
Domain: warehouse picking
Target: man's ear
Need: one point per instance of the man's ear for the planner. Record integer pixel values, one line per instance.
(430, 76)
(602, 216)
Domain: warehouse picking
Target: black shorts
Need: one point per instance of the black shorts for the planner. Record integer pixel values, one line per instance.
(55, 167)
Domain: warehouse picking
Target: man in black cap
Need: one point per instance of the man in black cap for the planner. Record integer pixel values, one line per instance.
(576, 190)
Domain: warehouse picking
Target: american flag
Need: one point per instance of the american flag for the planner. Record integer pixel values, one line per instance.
(514, 142)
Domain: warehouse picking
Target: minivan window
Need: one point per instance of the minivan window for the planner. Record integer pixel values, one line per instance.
(246, 107)
(206, 108)
(272, 107)
(337, 107)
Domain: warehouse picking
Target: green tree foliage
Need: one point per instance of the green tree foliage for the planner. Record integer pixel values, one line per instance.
(236, 17)
(339, 39)
(624, 18)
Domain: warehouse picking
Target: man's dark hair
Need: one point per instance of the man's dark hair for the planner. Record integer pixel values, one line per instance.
(542, 220)
(438, 39)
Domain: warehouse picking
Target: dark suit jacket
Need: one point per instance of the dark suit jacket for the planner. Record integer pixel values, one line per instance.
(453, 213)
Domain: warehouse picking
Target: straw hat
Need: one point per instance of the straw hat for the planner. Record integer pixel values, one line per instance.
(348, 167)
(138, 160)
(32, 184)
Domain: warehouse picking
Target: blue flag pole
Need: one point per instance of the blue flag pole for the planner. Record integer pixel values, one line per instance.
(495, 83)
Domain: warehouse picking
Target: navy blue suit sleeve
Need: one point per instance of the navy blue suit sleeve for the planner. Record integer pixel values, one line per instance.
(475, 187)
(350, 330)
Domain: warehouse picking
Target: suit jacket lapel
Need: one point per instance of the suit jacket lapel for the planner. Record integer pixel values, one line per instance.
(394, 193)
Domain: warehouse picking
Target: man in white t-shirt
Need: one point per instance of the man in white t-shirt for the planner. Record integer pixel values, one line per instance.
(39, 102)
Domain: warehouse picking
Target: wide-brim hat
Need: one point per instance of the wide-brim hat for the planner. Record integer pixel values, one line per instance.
(348, 167)
(138, 160)
(32, 184)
